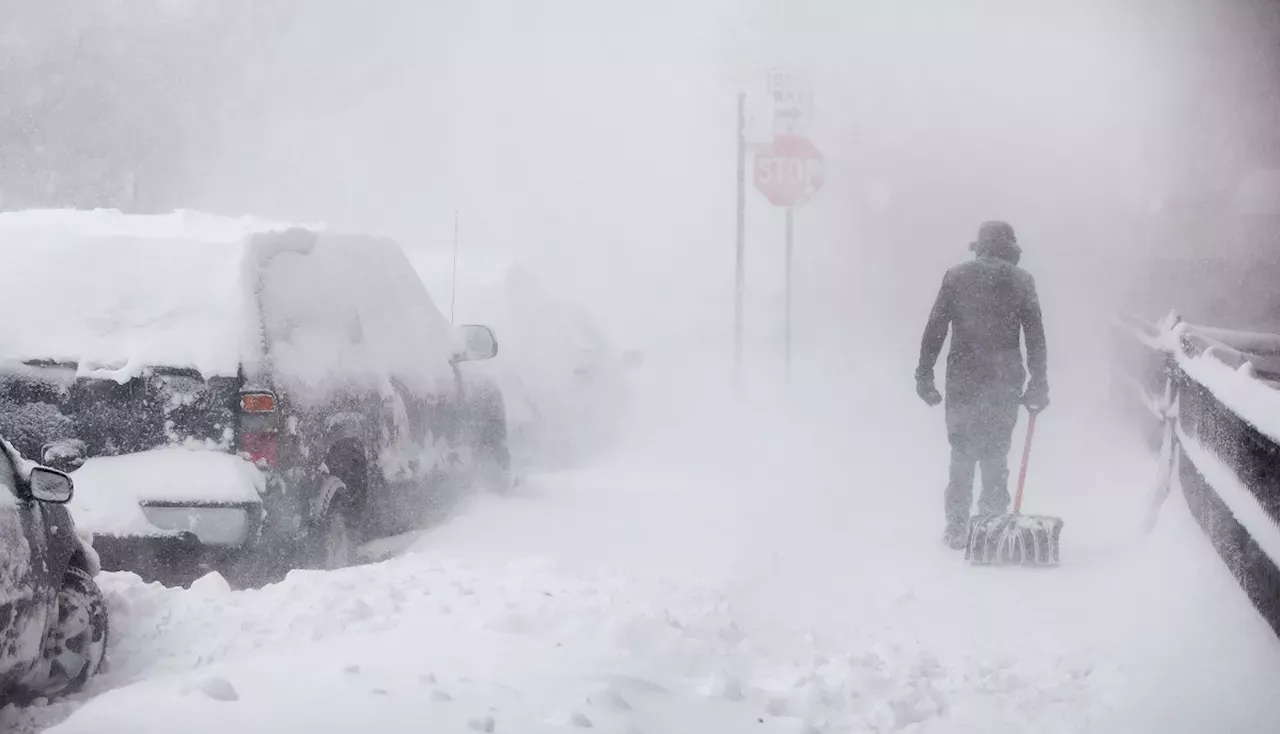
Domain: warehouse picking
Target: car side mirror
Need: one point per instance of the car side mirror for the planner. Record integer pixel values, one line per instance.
(478, 342)
(50, 485)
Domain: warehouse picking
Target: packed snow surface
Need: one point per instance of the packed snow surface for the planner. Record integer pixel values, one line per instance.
(771, 570)
(109, 490)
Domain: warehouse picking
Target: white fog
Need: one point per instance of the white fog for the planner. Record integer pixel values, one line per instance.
(620, 528)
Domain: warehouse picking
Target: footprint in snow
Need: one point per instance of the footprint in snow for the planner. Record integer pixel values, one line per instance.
(575, 719)
(484, 724)
(219, 689)
(724, 687)
(634, 684)
(610, 698)
(360, 611)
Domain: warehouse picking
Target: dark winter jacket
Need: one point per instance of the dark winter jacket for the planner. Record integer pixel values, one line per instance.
(986, 302)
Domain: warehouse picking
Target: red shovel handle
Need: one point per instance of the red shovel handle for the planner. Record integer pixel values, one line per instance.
(1026, 458)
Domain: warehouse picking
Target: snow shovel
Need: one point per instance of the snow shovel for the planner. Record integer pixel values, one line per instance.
(1015, 539)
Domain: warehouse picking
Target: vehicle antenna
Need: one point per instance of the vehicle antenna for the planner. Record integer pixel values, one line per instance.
(453, 283)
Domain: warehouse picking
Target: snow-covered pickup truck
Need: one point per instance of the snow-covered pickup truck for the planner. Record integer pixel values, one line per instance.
(234, 394)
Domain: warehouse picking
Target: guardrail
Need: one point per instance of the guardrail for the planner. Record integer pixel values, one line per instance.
(1209, 401)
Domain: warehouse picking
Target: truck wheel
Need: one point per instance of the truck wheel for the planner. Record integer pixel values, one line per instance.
(75, 646)
(336, 539)
(493, 472)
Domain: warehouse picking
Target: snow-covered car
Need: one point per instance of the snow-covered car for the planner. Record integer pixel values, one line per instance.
(234, 394)
(564, 382)
(53, 619)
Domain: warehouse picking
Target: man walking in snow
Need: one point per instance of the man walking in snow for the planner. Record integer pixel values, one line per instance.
(988, 303)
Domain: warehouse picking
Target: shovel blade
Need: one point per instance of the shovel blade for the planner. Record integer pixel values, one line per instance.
(1014, 540)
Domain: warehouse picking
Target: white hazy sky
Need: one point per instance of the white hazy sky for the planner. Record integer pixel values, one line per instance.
(596, 140)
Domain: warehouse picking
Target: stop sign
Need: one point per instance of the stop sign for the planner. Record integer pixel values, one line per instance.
(789, 171)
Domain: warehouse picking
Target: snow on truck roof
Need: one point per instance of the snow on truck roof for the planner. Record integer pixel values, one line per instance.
(179, 225)
(114, 293)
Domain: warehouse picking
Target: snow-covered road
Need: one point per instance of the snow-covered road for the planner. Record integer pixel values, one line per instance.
(775, 568)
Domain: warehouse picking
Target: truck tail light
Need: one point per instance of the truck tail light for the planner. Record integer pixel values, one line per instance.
(258, 402)
(261, 447)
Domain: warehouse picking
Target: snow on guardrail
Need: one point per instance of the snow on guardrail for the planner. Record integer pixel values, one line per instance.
(1238, 498)
(1238, 389)
(1227, 422)
(1241, 369)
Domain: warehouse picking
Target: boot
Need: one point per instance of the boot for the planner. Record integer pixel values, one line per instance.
(956, 536)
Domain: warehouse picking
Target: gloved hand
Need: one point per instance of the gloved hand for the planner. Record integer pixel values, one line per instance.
(928, 392)
(1036, 398)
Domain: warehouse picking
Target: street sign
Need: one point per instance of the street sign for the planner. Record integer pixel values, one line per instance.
(792, 97)
(789, 171)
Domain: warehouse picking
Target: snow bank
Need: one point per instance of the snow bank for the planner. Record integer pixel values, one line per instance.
(109, 490)
(431, 643)
(114, 293)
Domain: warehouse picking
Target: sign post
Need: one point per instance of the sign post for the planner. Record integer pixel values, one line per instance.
(740, 275)
(787, 318)
(789, 172)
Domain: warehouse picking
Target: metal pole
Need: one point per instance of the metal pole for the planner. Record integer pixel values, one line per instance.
(740, 276)
(790, 228)
(453, 283)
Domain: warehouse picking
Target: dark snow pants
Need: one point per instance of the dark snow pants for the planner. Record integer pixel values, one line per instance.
(980, 426)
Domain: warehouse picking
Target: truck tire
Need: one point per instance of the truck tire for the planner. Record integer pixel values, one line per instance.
(335, 536)
(76, 644)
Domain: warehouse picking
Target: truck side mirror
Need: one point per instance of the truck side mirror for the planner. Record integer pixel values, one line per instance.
(478, 343)
(50, 485)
